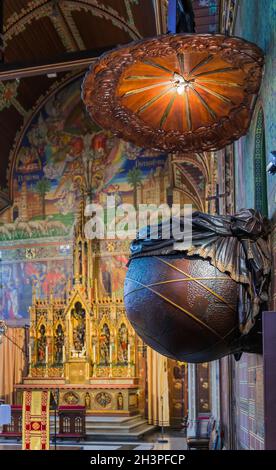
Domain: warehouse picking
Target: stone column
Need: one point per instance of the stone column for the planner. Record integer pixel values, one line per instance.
(215, 390)
(192, 405)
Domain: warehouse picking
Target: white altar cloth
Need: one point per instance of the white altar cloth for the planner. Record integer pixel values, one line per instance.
(5, 414)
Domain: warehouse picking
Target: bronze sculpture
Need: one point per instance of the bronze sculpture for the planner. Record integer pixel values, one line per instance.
(200, 304)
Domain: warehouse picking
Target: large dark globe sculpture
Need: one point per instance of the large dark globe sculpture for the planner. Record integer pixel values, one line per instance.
(182, 307)
(202, 303)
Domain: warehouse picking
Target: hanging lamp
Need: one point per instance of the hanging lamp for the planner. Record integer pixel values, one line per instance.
(182, 92)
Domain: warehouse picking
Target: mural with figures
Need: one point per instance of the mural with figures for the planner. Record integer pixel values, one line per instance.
(21, 279)
(46, 193)
(45, 177)
(112, 274)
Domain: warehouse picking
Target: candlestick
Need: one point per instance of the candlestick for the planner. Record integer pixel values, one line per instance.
(30, 354)
(128, 360)
(110, 354)
(110, 360)
(46, 361)
(30, 361)
(95, 290)
(128, 353)
(94, 360)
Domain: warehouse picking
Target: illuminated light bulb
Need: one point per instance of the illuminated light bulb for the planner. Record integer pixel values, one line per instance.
(180, 89)
(179, 83)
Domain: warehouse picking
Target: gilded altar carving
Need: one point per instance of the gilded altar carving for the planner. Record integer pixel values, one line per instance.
(81, 336)
(123, 344)
(104, 344)
(75, 329)
(103, 399)
(71, 398)
(87, 401)
(78, 322)
(53, 372)
(41, 345)
(58, 344)
(120, 401)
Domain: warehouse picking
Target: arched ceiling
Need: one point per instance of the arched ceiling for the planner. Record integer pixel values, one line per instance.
(46, 31)
(192, 175)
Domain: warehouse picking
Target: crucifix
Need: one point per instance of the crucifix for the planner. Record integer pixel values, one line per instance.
(216, 198)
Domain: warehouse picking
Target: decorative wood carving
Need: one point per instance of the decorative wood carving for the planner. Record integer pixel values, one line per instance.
(185, 93)
(72, 422)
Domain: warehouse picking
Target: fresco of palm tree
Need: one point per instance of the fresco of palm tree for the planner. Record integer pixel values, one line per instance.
(42, 187)
(134, 179)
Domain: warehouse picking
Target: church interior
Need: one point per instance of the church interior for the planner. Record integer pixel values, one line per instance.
(114, 343)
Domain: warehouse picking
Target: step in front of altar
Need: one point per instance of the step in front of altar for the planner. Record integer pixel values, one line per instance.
(113, 427)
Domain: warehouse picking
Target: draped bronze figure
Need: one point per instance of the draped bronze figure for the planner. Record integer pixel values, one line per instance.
(201, 303)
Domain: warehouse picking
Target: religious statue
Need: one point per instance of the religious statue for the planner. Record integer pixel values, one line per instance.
(41, 345)
(120, 401)
(87, 400)
(59, 342)
(78, 318)
(123, 344)
(104, 344)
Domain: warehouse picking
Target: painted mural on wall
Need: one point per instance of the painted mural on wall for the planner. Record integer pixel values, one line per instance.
(46, 199)
(45, 183)
(112, 275)
(21, 279)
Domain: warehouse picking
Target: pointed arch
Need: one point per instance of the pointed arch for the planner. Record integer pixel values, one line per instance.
(260, 182)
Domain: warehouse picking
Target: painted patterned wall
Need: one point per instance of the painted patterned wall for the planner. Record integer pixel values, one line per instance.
(255, 22)
(249, 402)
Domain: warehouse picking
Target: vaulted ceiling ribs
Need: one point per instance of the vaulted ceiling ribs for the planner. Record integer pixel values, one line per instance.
(41, 31)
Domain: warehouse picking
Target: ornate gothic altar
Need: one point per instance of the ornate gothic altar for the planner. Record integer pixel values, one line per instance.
(83, 345)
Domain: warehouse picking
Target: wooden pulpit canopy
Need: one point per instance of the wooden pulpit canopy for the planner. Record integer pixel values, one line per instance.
(183, 92)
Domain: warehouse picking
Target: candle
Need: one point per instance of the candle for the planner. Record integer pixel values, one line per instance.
(30, 354)
(63, 354)
(128, 353)
(95, 289)
(46, 355)
(110, 354)
(94, 354)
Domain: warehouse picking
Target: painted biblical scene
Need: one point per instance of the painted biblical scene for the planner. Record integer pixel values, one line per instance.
(21, 280)
(52, 156)
(54, 150)
(112, 274)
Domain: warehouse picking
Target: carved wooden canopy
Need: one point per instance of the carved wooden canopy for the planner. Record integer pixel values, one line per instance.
(187, 93)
